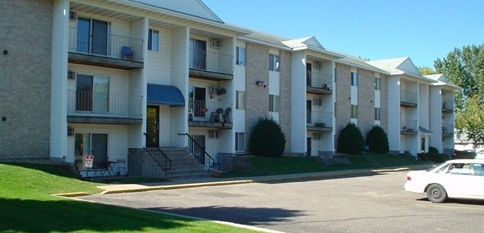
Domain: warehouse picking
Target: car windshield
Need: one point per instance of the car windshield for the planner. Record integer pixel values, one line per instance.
(435, 167)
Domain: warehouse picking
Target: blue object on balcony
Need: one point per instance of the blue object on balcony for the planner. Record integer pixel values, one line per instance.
(165, 95)
(126, 52)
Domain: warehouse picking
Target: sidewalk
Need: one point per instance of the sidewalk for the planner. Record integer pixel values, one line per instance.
(213, 181)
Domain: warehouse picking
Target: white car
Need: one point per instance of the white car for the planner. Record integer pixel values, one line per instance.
(459, 178)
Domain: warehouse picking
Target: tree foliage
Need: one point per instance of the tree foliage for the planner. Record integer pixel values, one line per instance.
(267, 139)
(470, 119)
(350, 140)
(425, 70)
(377, 140)
(465, 67)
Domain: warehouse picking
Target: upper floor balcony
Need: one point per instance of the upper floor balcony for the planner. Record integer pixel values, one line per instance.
(211, 65)
(104, 108)
(317, 83)
(408, 127)
(319, 121)
(447, 130)
(210, 114)
(104, 49)
(448, 105)
(408, 98)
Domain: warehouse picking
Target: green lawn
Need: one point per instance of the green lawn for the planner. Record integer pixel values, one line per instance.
(27, 206)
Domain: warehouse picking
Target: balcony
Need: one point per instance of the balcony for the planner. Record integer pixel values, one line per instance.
(447, 105)
(409, 127)
(106, 50)
(319, 121)
(210, 65)
(408, 98)
(319, 84)
(104, 108)
(447, 130)
(209, 114)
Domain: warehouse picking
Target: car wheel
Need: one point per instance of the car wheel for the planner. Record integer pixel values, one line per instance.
(436, 193)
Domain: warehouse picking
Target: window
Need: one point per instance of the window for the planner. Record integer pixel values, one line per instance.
(354, 79)
(354, 111)
(240, 100)
(153, 40)
(239, 142)
(92, 93)
(273, 103)
(240, 56)
(273, 62)
(377, 114)
(377, 83)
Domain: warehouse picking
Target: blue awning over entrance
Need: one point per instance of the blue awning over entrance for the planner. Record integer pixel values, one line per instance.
(165, 95)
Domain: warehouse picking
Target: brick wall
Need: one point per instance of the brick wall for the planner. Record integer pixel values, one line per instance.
(366, 101)
(343, 102)
(25, 78)
(285, 97)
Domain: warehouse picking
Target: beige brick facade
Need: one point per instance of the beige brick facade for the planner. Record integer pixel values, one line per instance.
(25, 78)
(285, 97)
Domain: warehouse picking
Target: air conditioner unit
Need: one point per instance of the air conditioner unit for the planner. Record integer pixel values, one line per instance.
(316, 136)
(71, 75)
(317, 65)
(215, 43)
(213, 134)
(317, 102)
(72, 15)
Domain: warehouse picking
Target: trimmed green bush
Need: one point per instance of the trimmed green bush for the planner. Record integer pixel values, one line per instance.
(433, 157)
(377, 140)
(350, 140)
(433, 150)
(267, 139)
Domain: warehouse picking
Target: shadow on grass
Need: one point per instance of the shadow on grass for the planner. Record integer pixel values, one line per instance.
(240, 215)
(68, 216)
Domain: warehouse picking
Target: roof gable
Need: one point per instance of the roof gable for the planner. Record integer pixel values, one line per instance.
(396, 65)
(190, 7)
(310, 42)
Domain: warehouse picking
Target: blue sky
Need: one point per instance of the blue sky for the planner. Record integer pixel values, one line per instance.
(423, 30)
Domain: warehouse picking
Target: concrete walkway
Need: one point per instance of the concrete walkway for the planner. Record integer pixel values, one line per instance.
(214, 181)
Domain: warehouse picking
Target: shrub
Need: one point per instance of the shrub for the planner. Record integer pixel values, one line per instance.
(433, 157)
(433, 150)
(377, 140)
(350, 140)
(267, 139)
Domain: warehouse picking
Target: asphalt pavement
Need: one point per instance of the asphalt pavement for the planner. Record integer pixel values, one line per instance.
(216, 181)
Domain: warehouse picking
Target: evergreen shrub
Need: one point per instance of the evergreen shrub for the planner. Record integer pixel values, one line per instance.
(267, 139)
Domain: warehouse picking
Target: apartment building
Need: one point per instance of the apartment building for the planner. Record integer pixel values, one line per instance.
(115, 78)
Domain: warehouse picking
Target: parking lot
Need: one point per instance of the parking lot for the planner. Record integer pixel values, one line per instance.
(375, 203)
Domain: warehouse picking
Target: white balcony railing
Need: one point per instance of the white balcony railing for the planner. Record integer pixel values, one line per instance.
(211, 61)
(99, 104)
(208, 111)
(319, 119)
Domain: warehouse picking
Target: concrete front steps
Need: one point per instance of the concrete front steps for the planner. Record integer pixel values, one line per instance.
(184, 165)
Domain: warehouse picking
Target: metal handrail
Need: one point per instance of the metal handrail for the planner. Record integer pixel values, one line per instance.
(157, 154)
(211, 160)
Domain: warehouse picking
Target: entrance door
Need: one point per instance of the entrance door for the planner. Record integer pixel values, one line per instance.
(99, 150)
(199, 152)
(308, 145)
(200, 101)
(309, 72)
(99, 37)
(92, 36)
(91, 144)
(309, 108)
(152, 126)
(198, 54)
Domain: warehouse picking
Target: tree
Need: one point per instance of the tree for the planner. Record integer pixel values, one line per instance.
(471, 119)
(350, 140)
(267, 139)
(425, 70)
(465, 68)
(377, 140)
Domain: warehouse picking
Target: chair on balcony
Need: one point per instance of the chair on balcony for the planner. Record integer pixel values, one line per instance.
(126, 52)
(227, 114)
(218, 115)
